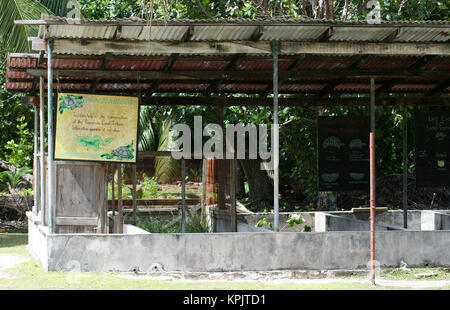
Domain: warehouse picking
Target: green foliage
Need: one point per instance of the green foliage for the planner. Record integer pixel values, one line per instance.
(150, 187)
(10, 111)
(264, 222)
(14, 178)
(15, 37)
(295, 219)
(195, 224)
(155, 224)
(21, 152)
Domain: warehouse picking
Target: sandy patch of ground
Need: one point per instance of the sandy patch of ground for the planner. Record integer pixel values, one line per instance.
(8, 261)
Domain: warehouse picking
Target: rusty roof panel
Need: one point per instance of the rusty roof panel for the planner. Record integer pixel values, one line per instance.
(262, 65)
(70, 86)
(200, 65)
(359, 34)
(136, 64)
(182, 87)
(80, 64)
(413, 87)
(123, 86)
(235, 87)
(355, 87)
(325, 64)
(438, 65)
(387, 64)
(301, 87)
(18, 75)
(21, 62)
(18, 86)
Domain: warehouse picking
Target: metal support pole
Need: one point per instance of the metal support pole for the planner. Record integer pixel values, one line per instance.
(183, 195)
(42, 149)
(275, 146)
(372, 180)
(233, 195)
(50, 134)
(405, 165)
(134, 195)
(35, 162)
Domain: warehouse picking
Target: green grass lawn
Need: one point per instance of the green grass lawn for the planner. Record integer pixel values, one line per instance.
(30, 275)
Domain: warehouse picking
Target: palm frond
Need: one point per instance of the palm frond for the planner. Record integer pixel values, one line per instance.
(57, 7)
(165, 167)
(147, 138)
(15, 37)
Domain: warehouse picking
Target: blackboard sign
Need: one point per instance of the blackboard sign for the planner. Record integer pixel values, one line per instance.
(343, 153)
(432, 148)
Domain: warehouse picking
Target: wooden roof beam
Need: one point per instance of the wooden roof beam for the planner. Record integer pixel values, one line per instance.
(202, 74)
(230, 67)
(99, 47)
(439, 89)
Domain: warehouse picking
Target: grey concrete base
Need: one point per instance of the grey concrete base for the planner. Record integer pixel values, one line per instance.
(435, 220)
(219, 252)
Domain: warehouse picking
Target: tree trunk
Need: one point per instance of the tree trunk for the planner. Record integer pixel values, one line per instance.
(329, 9)
(259, 183)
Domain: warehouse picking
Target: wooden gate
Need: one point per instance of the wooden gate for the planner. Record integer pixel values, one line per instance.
(79, 197)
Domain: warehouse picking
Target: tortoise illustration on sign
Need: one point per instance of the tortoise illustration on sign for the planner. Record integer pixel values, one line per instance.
(69, 102)
(356, 143)
(94, 142)
(330, 177)
(440, 135)
(357, 176)
(332, 142)
(121, 153)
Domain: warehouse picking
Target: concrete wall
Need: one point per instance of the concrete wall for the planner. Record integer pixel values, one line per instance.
(246, 251)
(435, 220)
(37, 239)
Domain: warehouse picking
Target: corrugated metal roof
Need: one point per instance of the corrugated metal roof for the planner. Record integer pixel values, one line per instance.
(421, 34)
(358, 34)
(243, 30)
(292, 33)
(243, 82)
(153, 33)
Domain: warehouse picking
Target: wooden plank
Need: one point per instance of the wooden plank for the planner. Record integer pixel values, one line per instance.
(229, 75)
(77, 221)
(100, 47)
(299, 101)
(363, 48)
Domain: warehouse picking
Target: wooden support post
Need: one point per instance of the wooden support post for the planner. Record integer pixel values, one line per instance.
(203, 201)
(221, 165)
(50, 134)
(41, 148)
(113, 195)
(119, 199)
(105, 216)
(276, 144)
(134, 195)
(233, 195)
(36, 180)
(183, 195)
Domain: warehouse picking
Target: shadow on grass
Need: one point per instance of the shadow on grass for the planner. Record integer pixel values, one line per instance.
(12, 240)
